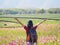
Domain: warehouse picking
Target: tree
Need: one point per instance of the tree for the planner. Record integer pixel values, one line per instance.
(42, 11)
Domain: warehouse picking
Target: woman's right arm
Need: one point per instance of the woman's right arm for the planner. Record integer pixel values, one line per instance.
(19, 22)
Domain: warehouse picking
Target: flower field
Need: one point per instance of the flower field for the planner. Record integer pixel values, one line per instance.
(12, 33)
(48, 34)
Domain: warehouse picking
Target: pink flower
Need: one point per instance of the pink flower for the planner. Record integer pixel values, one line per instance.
(12, 43)
(3, 44)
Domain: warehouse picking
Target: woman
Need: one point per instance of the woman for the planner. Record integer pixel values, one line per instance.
(29, 40)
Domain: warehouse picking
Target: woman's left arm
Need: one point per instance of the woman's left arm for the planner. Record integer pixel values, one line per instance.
(40, 23)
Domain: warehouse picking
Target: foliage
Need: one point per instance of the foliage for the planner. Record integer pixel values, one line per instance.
(30, 11)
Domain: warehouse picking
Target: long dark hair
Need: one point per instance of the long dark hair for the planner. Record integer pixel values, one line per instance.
(30, 24)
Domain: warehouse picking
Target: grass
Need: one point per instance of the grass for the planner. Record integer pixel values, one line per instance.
(24, 21)
(55, 16)
(48, 32)
(43, 30)
(10, 35)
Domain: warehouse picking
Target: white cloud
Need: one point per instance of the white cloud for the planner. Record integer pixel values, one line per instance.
(24, 4)
(46, 4)
(28, 3)
(51, 4)
(5, 3)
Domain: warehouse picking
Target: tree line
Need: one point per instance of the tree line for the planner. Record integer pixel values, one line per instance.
(30, 11)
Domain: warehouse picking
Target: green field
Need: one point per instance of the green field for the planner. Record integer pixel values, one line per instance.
(48, 32)
(54, 16)
(24, 21)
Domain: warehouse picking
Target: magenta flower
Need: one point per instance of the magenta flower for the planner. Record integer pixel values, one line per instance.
(3, 44)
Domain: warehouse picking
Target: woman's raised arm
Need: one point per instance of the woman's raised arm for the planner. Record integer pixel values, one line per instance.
(19, 21)
(41, 22)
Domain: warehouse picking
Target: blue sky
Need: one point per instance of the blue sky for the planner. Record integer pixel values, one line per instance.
(29, 3)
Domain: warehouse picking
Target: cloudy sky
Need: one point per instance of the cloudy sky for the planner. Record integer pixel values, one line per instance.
(29, 3)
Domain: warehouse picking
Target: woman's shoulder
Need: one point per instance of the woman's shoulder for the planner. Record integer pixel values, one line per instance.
(35, 27)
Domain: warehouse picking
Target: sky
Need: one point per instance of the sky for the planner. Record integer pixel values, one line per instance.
(30, 4)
